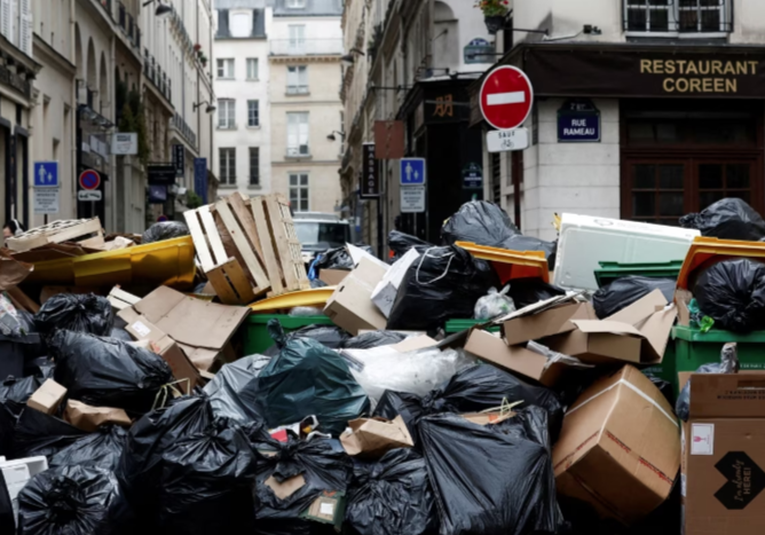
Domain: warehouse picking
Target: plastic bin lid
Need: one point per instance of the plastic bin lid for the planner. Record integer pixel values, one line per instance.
(301, 298)
(703, 251)
(610, 271)
(511, 264)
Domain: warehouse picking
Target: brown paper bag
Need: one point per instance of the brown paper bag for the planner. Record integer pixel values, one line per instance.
(89, 418)
(372, 437)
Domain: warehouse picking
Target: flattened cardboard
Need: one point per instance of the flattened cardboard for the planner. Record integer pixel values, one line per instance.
(350, 306)
(372, 437)
(724, 455)
(286, 488)
(548, 322)
(48, 397)
(332, 277)
(619, 448)
(328, 508)
(90, 418)
(516, 359)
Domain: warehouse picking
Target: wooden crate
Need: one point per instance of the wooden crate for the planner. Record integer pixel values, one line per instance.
(279, 243)
(236, 274)
(60, 231)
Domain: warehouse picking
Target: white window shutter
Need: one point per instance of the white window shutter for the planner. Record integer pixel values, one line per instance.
(5, 18)
(25, 27)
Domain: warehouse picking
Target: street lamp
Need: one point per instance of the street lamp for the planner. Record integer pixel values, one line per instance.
(348, 58)
(162, 9)
(332, 137)
(209, 109)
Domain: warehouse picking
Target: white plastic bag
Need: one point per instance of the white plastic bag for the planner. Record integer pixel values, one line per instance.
(494, 304)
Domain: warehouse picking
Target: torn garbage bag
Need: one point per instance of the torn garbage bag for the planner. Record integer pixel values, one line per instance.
(102, 448)
(86, 313)
(206, 484)
(624, 291)
(374, 339)
(306, 379)
(105, 372)
(69, 500)
(475, 389)
(291, 476)
(732, 293)
(392, 496)
(140, 467)
(164, 230)
(509, 489)
(729, 218)
(225, 389)
(729, 363)
(37, 433)
(444, 283)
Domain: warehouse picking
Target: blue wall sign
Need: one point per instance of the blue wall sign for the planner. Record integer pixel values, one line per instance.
(578, 122)
(472, 176)
(46, 174)
(200, 178)
(413, 172)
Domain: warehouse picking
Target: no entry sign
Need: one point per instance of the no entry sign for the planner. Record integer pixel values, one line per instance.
(506, 97)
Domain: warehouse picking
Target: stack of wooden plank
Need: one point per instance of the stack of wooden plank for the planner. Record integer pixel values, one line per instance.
(85, 232)
(248, 248)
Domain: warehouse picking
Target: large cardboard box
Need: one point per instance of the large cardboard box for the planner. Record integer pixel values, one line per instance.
(619, 448)
(202, 329)
(724, 455)
(48, 397)
(544, 319)
(385, 292)
(350, 306)
(332, 277)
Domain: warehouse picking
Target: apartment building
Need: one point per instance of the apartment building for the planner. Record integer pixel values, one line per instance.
(671, 98)
(242, 77)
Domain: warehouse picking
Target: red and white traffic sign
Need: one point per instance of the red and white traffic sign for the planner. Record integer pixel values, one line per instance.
(90, 179)
(506, 97)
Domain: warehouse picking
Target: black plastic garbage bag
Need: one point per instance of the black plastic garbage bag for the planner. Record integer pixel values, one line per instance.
(7, 517)
(323, 465)
(530, 243)
(531, 423)
(729, 218)
(88, 313)
(729, 363)
(624, 291)
(400, 243)
(69, 500)
(480, 222)
(164, 230)
(37, 433)
(338, 258)
(475, 389)
(105, 372)
(507, 489)
(374, 339)
(327, 335)
(207, 481)
(392, 496)
(19, 390)
(306, 379)
(444, 283)
(140, 467)
(732, 293)
(225, 389)
(102, 448)
(9, 415)
(525, 292)
(120, 334)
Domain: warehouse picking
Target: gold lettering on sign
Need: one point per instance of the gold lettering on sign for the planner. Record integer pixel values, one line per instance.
(700, 76)
(444, 106)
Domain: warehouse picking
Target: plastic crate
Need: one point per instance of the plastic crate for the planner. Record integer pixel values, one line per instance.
(610, 271)
(459, 325)
(694, 348)
(255, 337)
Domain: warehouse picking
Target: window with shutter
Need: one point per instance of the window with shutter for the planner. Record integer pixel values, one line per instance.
(5, 14)
(25, 26)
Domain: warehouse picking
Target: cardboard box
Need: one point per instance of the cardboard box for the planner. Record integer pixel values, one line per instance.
(155, 340)
(723, 473)
(120, 299)
(202, 329)
(516, 359)
(350, 306)
(619, 448)
(90, 418)
(48, 397)
(638, 334)
(385, 292)
(372, 437)
(544, 319)
(332, 277)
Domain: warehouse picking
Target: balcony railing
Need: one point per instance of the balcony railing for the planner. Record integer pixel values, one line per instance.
(122, 16)
(297, 89)
(306, 47)
(184, 129)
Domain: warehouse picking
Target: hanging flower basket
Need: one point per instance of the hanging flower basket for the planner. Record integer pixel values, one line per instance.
(494, 23)
(494, 13)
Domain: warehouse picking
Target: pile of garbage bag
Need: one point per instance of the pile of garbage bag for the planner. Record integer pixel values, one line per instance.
(730, 219)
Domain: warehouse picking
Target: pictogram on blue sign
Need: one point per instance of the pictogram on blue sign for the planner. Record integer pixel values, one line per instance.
(46, 174)
(412, 171)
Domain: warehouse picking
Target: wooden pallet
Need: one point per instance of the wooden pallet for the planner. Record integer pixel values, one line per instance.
(88, 231)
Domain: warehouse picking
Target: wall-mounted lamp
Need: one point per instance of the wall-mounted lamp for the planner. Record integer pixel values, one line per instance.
(162, 9)
(209, 109)
(332, 137)
(349, 58)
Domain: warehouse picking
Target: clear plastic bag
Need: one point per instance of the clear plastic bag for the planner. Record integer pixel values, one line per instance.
(494, 304)
(303, 312)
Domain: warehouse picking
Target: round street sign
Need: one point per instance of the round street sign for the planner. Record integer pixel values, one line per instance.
(90, 179)
(506, 97)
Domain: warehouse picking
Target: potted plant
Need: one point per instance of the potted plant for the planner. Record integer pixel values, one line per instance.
(494, 12)
(197, 47)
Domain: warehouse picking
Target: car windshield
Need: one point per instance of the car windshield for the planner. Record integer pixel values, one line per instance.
(332, 234)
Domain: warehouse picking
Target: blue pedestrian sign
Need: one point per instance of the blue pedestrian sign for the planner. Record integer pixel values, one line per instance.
(46, 174)
(413, 171)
